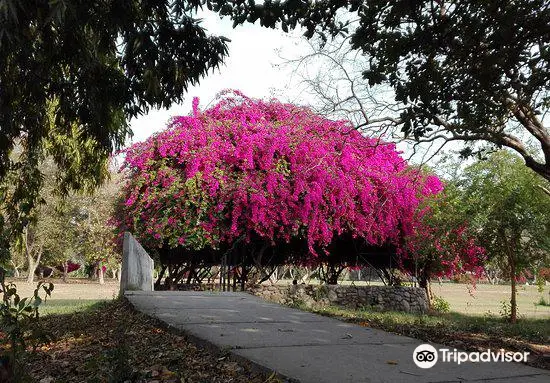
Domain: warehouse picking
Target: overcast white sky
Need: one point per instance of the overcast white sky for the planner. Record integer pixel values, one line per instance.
(249, 68)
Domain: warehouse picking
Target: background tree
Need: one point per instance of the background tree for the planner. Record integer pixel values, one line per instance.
(39, 234)
(471, 71)
(444, 245)
(73, 73)
(65, 228)
(331, 75)
(510, 214)
(94, 229)
(16, 262)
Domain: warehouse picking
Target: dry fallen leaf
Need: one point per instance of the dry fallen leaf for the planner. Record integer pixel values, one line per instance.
(92, 345)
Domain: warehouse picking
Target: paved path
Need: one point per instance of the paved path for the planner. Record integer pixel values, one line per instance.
(309, 347)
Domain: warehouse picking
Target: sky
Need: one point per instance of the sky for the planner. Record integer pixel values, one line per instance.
(253, 52)
(250, 67)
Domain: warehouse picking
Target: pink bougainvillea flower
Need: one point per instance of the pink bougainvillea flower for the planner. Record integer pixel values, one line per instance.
(247, 167)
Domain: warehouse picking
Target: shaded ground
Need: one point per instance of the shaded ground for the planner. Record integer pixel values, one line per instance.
(111, 342)
(99, 335)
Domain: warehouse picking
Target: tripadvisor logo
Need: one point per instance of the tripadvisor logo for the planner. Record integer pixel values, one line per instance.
(426, 356)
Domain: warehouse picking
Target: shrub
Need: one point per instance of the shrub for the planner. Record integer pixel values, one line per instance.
(19, 322)
(440, 305)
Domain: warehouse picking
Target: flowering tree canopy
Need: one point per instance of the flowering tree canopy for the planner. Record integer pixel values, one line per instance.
(246, 169)
(443, 250)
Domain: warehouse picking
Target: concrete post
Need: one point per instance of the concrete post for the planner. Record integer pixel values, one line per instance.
(137, 266)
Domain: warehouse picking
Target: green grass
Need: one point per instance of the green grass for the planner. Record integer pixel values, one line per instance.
(436, 326)
(68, 306)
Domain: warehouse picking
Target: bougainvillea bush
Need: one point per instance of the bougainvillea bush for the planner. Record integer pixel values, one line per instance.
(443, 251)
(250, 171)
(248, 168)
(443, 244)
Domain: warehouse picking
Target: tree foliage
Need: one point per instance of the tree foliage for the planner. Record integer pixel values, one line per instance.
(502, 200)
(19, 322)
(508, 211)
(469, 70)
(73, 73)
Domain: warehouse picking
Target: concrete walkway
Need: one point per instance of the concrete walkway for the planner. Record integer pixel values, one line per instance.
(311, 348)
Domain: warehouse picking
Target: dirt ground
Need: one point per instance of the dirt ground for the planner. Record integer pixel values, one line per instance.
(483, 299)
(75, 289)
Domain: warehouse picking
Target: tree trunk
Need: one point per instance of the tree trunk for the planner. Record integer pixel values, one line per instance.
(513, 303)
(424, 283)
(513, 271)
(291, 272)
(345, 275)
(31, 270)
(16, 273)
(65, 271)
(489, 277)
(332, 274)
(94, 272)
(33, 264)
(307, 275)
(274, 277)
(100, 273)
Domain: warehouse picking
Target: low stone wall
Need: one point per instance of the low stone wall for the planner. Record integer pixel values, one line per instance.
(407, 299)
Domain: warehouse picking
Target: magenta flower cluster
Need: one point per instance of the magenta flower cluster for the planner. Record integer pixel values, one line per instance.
(247, 167)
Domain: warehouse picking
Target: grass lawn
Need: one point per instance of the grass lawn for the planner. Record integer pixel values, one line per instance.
(76, 295)
(67, 306)
(75, 289)
(483, 299)
(487, 299)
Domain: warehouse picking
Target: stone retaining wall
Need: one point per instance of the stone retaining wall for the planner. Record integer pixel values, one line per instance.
(407, 299)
